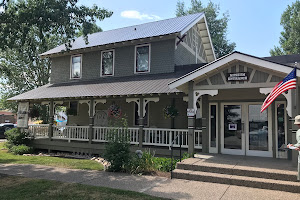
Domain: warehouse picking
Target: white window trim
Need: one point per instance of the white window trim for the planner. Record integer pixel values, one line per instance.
(71, 69)
(149, 64)
(113, 67)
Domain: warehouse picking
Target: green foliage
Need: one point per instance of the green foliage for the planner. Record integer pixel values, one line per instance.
(139, 165)
(170, 112)
(16, 137)
(21, 149)
(117, 150)
(149, 163)
(217, 24)
(31, 27)
(289, 40)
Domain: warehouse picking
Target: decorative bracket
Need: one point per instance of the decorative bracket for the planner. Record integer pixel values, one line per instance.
(199, 93)
(185, 98)
(287, 95)
(137, 101)
(96, 101)
(87, 102)
(146, 101)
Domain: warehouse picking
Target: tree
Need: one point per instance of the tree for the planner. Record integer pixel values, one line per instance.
(31, 27)
(217, 25)
(289, 40)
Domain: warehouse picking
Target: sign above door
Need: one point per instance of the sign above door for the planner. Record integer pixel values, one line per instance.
(238, 76)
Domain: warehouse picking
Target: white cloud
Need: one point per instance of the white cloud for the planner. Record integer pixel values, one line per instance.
(133, 14)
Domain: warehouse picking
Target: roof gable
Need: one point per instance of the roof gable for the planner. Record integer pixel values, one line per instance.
(177, 26)
(235, 56)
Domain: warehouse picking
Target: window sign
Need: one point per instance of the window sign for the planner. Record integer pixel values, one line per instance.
(76, 67)
(107, 63)
(232, 127)
(239, 76)
(143, 58)
(22, 121)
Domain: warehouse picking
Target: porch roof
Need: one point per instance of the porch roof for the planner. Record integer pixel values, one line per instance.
(131, 85)
(234, 56)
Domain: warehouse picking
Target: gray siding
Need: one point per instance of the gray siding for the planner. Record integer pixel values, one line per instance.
(183, 56)
(162, 61)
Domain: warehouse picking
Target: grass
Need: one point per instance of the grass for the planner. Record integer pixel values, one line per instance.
(8, 158)
(12, 187)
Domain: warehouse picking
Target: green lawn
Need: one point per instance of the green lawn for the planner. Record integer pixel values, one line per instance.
(9, 158)
(13, 187)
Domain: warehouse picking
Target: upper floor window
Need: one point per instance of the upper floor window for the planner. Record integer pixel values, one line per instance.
(76, 66)
(107, 63)
(142, 58)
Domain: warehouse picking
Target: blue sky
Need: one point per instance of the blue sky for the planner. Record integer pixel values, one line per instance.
(254, 24)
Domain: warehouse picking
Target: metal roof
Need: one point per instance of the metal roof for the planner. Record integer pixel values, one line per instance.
(133, 85)
(151, 29)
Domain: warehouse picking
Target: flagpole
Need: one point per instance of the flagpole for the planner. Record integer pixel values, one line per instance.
(297, 90)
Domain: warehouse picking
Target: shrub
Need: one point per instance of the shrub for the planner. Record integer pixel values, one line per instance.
(16, 137)
(117, 150)
(142, 164)
(20, 149)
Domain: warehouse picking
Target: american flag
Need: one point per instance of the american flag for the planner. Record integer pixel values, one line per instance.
(289, 82)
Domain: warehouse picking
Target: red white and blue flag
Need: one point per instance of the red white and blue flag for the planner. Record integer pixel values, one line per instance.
(289, 82)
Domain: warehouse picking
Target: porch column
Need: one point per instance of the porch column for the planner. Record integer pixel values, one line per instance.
(91, 120)
(51, 118)
(205, 121)
(292, 132)
(141, 123)
(191, 120)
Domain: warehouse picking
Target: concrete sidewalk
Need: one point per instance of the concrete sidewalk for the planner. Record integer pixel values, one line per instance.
(156, 186)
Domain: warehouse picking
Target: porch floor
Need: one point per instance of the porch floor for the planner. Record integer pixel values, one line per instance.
(240, 162)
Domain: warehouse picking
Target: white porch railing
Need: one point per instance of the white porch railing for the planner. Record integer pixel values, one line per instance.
(152, 136)
(198, 139)
(38, 130)
(79, 133)
(100, 134)
(164, 137)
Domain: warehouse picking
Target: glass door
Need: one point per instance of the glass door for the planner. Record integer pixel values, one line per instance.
(258, 131)
(232, 129)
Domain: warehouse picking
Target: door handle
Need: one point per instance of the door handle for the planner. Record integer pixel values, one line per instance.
(243, 127)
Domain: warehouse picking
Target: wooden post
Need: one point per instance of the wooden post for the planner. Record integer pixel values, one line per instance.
(51, 118)
(141, 123)
(191, 120)
(91, 120)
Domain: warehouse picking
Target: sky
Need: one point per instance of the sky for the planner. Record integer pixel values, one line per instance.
(254, 24)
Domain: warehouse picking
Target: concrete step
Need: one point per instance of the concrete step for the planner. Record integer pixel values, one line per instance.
(266, 173)
(287, 186)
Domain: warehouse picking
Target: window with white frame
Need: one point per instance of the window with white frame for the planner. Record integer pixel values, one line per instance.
(76, 66)
(107, 63)
(142, 58)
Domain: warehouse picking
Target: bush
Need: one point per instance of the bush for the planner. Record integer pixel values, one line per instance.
(149, 163)
(142, 164)
(117, 150)
(20, 149)
(16, 137)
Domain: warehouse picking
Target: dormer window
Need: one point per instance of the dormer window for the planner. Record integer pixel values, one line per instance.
(107, 62)
(76, 66)
(142, 58)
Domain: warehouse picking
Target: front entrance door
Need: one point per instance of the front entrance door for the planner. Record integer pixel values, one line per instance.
(244, 130)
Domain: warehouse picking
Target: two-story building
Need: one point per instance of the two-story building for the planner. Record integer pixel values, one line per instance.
(142, 71)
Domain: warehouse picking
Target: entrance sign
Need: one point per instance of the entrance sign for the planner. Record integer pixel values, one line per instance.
(22, 121)
(239, 76)
(190, 112)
